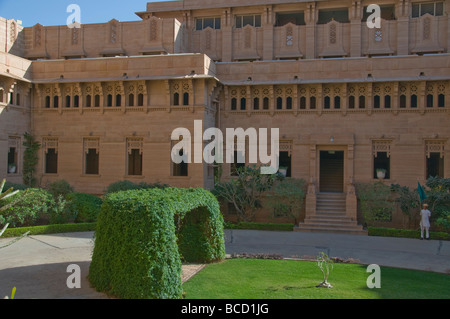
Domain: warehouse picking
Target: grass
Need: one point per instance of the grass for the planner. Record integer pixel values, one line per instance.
(289, 279)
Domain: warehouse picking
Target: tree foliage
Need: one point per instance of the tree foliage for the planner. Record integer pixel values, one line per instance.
(376, 201)
(30, 159)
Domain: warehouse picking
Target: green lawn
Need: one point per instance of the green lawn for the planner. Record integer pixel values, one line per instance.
(286, 279)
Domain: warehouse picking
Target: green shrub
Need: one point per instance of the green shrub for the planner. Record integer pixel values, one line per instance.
(260, 226)
(405, 233)
(86, 206)
(285, 199)
(31, 208)
(127, 185)
(60, 211)
(49, 229)
(16, 187)
(136, 253)
(61, 187)
(376, 201)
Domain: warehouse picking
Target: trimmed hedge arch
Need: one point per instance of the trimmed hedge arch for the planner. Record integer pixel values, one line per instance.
(142, 235)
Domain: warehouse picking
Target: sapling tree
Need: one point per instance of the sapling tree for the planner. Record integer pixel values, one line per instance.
(325, 265)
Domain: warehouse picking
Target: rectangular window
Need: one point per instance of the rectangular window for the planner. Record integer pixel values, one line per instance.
(91, 156)
(13, 155)
(297, 18)
(434, 158)
(203, 23)
(387, 12)
(433, 8)
(134, 151)
(381, 159)
(285, 164)
(51, 161)
(238, 162)
(252, 20)
(12, 160)
(327, 15)
(180, 169)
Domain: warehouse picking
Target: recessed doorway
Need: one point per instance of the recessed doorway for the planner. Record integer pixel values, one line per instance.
(332, 171)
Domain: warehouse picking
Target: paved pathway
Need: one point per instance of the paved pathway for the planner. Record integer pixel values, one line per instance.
(37, 265)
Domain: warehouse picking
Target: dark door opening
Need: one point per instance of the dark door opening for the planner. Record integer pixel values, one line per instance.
(332, 171)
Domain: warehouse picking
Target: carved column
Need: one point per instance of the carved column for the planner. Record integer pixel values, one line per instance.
(350, 198)
(310, 201)
(355, 28)
(310, 20)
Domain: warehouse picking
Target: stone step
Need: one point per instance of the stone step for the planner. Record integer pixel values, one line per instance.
(354, 231)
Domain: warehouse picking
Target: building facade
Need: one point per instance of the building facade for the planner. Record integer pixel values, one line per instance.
(349, 99)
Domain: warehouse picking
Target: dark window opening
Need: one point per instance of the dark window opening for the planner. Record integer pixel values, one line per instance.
(351, 102)
(55, 102)
(376, 101)
(141, 99)
(266, 103)
(97, 101)
(180, 169)
(131, 100)
(413, 101)
(256, 103)
(430, 100)
(233, 104)
(387, 13)
(441, 100)
(362, 101)
(68, 101)
(387, 101)
(402, 101)
(118, 100)
(312, 102)
(109, 100)
(176, 99)
(297, 18)
(135, 162)
(12, 160)
(186, 98)
(337, 102)
(47, 102)
(302, 103)
(289, 103)
(326, 102)
(76, 101)
(51, 161)
(339, 15)
(285, 163)
(279, 103)
(382, 162)
(88, 101)
(435, 165)
(243, 104)
(92, 162)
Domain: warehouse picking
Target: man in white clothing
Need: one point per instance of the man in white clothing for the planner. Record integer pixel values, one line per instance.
(425, 222)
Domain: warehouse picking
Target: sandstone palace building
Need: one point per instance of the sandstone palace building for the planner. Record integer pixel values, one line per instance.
(103, 99)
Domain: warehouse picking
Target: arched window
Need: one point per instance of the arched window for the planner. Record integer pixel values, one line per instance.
(141, 99)
(186, 98)
(312, 102)
(97, 100)
(67, 100)
(326, 102)
(243, 103)
(387, 101)
(118, 100)
(279, 103)
(362, 101)
(56, 102)
(131, 99)
(402, 101)
(430, 100)
(76, 101)
(351, 102)
(18, 99)
(88, 101)
(11, 98)
(109, 100)
(303, 103)
(376, 102)
(441, 100)
(256, 103)
(414, 101)
(233, 104)
(47, 102)
(176, 99)
(266, 103)
(289, 103)
(337, 102)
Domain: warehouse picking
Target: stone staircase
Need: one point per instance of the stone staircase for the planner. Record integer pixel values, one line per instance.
(331, 216)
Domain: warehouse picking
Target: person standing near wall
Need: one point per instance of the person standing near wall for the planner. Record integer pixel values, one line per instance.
(425, 222)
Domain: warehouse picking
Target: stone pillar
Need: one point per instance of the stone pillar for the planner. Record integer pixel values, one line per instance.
(350, 198)
(268, 23)
(310, 201)
(310, 20)
(227, 35)
(402, 11)
(355, 29)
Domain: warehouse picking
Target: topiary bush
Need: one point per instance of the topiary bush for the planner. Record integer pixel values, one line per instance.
(127, 185)
(86, 206)
(136, 253)
(31, 208)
